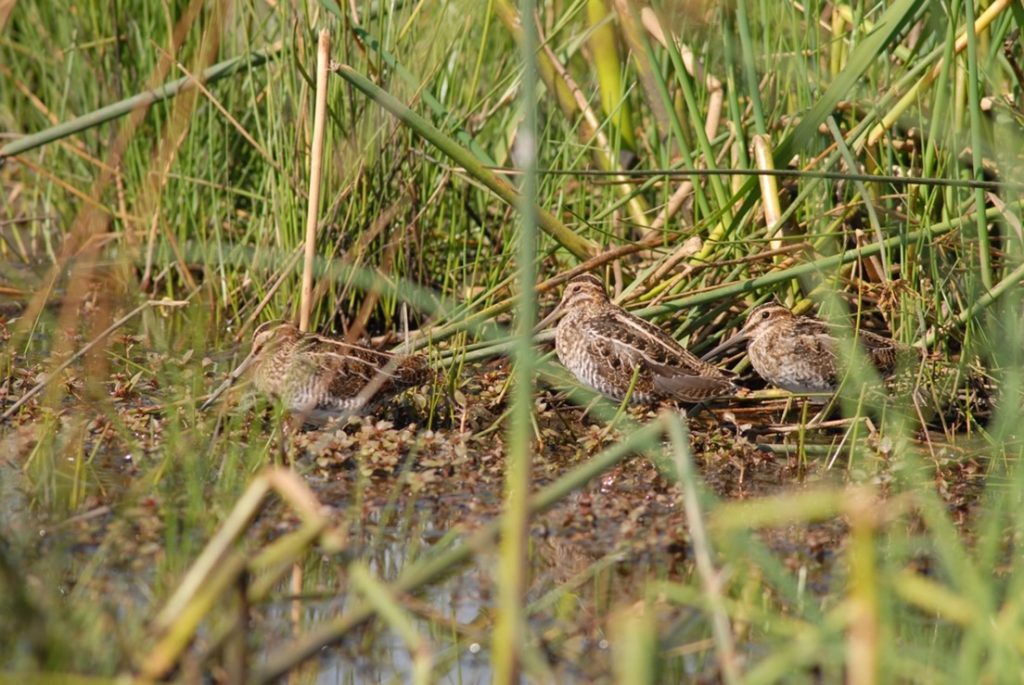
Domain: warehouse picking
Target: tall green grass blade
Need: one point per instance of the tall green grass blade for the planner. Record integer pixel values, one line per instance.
(660, 83)
(688, 88)
(431, 101)
(575, 244)
(750, 80)
(720, 625)
(895, 19)
(510, 628)
(219, 71)
(979, 235)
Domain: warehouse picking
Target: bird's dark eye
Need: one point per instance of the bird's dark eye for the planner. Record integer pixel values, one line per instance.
(765, 314)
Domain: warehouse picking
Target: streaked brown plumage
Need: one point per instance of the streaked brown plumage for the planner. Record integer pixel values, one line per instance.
(800, 354)
(603, 345)
(318, 377)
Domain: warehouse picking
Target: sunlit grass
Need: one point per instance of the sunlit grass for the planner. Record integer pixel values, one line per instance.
(893, 563)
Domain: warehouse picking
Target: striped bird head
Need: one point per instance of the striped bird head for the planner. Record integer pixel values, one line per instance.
(585, 290)
(764, 317)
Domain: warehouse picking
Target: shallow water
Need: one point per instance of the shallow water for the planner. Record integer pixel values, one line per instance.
(144, 508)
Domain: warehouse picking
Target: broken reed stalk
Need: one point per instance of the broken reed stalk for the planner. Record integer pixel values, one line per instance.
(260, 574)
(435, 566)
(316, 155)
(219, 566)
(244, 512)
(265, 571)
(215, 587)
(769, 190)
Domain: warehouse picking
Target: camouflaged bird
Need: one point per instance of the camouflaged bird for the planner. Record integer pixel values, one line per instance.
(319, 378)
(605, 347)
(800, 354)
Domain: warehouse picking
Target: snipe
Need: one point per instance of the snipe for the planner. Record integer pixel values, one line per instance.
(318, 377)
(801, 354)
(606, 347)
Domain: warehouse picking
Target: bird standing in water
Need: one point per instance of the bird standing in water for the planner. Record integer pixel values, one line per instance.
(318, 377)
(610, 350)
(801, 354)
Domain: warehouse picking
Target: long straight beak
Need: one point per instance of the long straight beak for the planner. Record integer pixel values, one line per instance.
(735, 340)
(229, 381)
(548, 321)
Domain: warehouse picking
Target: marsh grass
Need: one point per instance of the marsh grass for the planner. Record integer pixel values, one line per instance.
(875, 550)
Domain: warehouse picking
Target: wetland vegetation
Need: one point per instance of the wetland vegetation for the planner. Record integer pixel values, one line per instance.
(859, 162)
